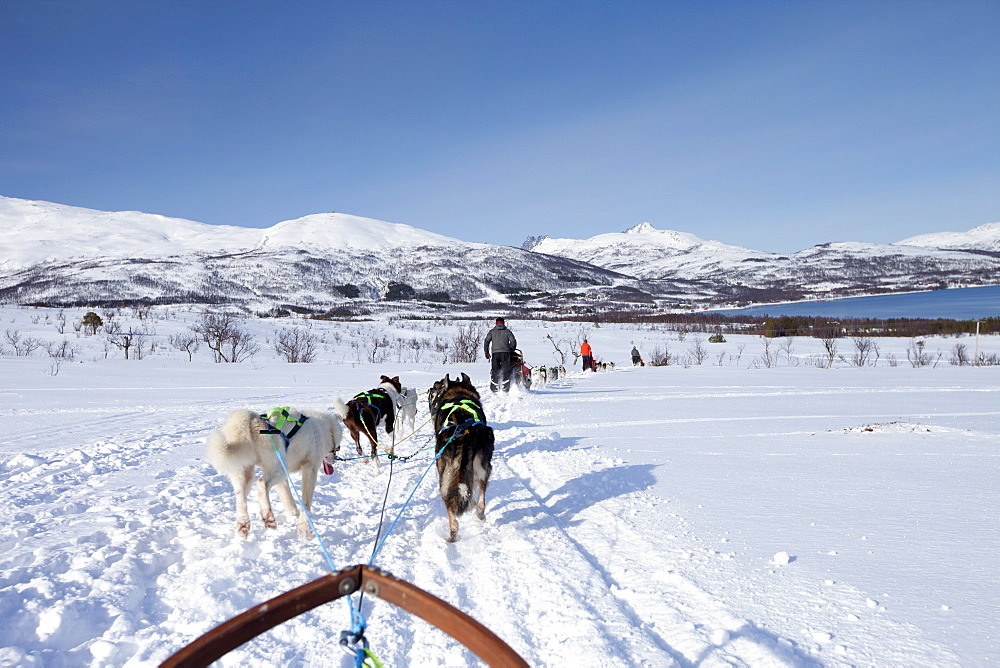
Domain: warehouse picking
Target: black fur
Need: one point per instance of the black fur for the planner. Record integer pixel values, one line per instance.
(362, 414)
(465, 443)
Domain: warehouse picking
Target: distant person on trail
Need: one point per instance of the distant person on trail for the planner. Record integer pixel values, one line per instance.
(588, 356)
(636, 357)
(498, 345)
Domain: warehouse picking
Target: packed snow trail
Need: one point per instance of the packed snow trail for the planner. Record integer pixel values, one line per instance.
(121, 548)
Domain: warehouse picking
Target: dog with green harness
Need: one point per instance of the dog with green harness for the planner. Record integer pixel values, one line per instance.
(248, 440)
(464, 448)
(367, 410)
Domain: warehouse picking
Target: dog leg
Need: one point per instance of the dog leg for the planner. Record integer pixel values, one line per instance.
(241, 486)
(264, 497)
(309, 473)
(452, 527)
(481, 505)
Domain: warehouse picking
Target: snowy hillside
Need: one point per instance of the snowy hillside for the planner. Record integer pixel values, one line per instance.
(646, 252)
(58, 255)
(725, 513)
(982, 238)
(830, 269)
(64, 255)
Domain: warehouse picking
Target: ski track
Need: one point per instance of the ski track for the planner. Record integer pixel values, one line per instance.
(154, 562)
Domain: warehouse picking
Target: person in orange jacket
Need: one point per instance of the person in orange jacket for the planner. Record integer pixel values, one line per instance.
(588, 356)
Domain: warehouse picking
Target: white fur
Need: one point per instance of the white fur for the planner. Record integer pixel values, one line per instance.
(238, 447)
(406, 410)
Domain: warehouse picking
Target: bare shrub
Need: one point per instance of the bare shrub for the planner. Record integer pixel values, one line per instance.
(464, 346)
(296, 345)
(767, 358)
(23, 345)
(62, 351)
(187, 342)
(130, 341)
(786, 347)
(661, 356)
(917, 355)
(862, 350)
(698, 351)
(960, 355)
(830, 348)
(558, 346)
(228, 342)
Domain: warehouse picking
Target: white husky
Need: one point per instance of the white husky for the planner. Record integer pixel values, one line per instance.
(407, 409)
(239, 446)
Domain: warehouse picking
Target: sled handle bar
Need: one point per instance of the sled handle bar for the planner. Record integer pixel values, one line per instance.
(247, 625)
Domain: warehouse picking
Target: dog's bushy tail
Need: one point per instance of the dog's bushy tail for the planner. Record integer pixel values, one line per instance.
(340, 408)
(228, 458)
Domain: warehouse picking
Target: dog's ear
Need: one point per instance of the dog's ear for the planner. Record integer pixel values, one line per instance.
(384, 379)
(466, 379)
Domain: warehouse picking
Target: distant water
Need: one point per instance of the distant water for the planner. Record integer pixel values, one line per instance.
(957, 304)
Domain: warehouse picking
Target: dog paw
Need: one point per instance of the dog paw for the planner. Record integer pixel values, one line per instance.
(243, 529)
(269, 521)
(305, 533)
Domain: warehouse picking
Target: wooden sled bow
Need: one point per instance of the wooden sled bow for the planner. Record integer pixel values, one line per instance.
(231, 634)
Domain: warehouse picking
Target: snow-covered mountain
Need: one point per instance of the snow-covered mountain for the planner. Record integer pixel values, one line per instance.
(50, 253)
(982, 238)
(842, 268)
(63, 255)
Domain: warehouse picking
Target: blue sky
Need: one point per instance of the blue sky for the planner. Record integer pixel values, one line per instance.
(772, 125)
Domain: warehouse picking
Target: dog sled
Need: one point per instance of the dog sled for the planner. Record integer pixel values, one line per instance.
(231, 634)
(520, 372)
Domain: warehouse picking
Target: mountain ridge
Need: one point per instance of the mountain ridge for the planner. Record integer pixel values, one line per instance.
(56, 253)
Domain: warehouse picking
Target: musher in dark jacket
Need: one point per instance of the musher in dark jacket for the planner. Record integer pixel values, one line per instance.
(498, 345)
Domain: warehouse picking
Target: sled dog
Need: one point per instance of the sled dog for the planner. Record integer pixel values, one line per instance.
(246, 441)
(465, 443)
(367, 410)
(407, 410)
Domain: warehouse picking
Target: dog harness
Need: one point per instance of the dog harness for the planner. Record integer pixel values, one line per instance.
(365, 398)
(284, 421)
(465, 405)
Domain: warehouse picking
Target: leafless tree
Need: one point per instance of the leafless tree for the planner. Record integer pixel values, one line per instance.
(378, 346)
(62, 351)
(830, 346)
(768, 358)
(296, 345)
(698, 351)
(558, 346)
(959, 355)
(61, 322)
(129, 340)
(23, 346)
(862, 350)
(466, 343)
(185, 341)
(786, 347)
(916, 354)
(222, 333)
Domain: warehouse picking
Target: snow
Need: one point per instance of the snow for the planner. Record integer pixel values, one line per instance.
(729, 513)
(983, 237)
(37, 231)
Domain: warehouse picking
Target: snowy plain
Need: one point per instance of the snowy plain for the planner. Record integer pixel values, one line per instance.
(727, 513)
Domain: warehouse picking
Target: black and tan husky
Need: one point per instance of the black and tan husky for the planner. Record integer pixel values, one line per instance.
(465, 444)
(366, 411)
